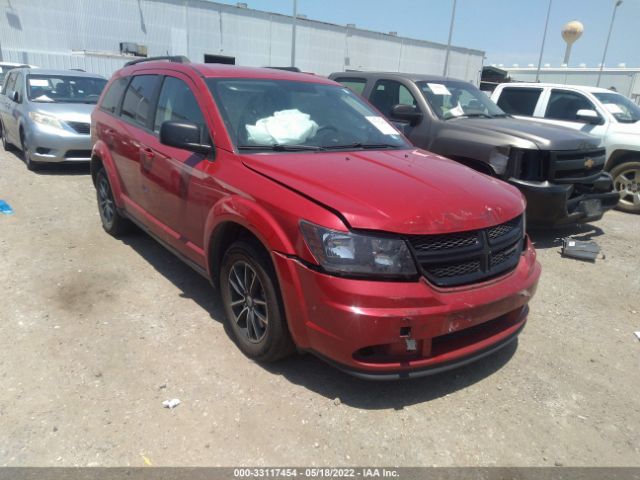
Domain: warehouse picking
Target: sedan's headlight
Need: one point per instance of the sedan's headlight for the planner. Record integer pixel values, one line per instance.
(355, 254)
(499, 159)
(44, 119)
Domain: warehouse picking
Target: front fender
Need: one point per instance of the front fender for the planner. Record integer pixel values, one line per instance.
(101, 150)
(253, 217)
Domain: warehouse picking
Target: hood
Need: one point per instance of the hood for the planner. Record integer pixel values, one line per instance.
(72, 112)
(514, 130)
(399, 191)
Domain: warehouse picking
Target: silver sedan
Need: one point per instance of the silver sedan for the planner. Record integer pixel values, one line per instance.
(46, 114)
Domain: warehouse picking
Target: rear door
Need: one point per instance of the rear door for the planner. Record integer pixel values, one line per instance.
(519, 101)
(132, 137)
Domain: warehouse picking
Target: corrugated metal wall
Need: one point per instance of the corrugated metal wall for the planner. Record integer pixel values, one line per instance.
(86, 34)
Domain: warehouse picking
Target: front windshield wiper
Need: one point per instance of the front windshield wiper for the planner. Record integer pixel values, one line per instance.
(359, 145)
(470, 115)
(278, 147)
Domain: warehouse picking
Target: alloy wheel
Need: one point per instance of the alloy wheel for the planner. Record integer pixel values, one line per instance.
(248, 304)
(627, 183)
(105, 201)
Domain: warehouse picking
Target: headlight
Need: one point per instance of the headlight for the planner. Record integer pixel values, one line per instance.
(499, 159)
(44, 119)
(355, 254)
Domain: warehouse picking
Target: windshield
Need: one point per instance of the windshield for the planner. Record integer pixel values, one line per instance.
(64, 88)
(623, 109)
(451, 99)
(276, 114)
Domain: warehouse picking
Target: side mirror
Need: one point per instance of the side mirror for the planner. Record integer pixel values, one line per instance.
(406, 113)
(185, 135)
(588, 116)
(15, 96)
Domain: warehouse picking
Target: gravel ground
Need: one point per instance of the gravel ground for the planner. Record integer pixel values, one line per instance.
(97, 332)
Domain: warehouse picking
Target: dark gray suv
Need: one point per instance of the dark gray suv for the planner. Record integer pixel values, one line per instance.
(559, 170)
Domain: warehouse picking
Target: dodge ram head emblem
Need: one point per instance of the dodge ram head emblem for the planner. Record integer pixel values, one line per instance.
(588, 163)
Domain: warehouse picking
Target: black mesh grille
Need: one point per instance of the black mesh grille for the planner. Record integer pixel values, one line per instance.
(445, 242)
(80, 127)
(503, 228)
(456, 269)
(466, 257)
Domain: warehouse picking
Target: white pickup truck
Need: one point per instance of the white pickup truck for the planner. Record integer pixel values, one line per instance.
(598, 111)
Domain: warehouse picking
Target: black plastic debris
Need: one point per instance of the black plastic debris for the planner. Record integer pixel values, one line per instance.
(580, 249)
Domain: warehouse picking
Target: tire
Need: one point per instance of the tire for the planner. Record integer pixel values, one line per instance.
(112, 221)
(26, 155)
(250, 291)
(5, 144)
(626, 180)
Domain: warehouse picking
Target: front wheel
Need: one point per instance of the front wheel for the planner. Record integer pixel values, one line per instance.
(251, 299)
(26, 154)
(626, 179)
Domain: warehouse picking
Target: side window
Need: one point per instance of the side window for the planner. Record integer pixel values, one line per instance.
(519, 101)
(563, 105)
(138, 97)
(354, 84)
(113, 95)
(8, 86)
(387, 93)
(17, 85)
(177, 103)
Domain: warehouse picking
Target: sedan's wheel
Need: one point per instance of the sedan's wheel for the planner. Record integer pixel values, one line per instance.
(5, 143)
(626, 179)
(252, 303)
(26, 153)
(112, 221)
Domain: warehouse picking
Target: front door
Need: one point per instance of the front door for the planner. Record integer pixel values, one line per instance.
(175, 180)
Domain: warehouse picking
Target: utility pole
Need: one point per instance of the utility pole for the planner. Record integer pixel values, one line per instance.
(293, 33)
(446, 57)
(606, 45)
(544, 37)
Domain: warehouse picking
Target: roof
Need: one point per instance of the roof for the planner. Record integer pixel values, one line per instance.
(71, 73)
(416, 77)
(584, 88)
(218, 70)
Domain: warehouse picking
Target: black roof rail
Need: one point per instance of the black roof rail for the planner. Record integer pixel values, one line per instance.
(170, 58)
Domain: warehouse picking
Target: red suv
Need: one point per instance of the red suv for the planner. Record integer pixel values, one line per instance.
(321, 226)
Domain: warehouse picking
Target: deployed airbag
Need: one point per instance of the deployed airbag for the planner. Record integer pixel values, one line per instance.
(286, 127)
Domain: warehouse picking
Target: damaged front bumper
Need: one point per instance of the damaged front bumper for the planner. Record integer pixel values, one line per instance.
(388, 330)
(554, 204)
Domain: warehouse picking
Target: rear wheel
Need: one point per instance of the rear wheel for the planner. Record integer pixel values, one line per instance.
(112, 221)
(252, 303)
(26, 153)
(5, 143)
(626, 179)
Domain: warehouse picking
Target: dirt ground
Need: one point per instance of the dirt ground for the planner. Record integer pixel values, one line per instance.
(96, 332)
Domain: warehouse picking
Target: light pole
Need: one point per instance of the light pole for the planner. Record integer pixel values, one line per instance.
(446, 57)
(544, 37)
(293, 33)
(606, 45)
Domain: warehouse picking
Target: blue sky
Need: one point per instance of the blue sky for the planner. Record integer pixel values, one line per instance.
(509, 31)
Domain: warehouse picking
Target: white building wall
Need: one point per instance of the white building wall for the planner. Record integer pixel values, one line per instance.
(86, 34)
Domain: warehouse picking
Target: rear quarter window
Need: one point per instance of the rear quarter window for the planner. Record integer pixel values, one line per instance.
(519, 101)
(113, 95)
(354, 84)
